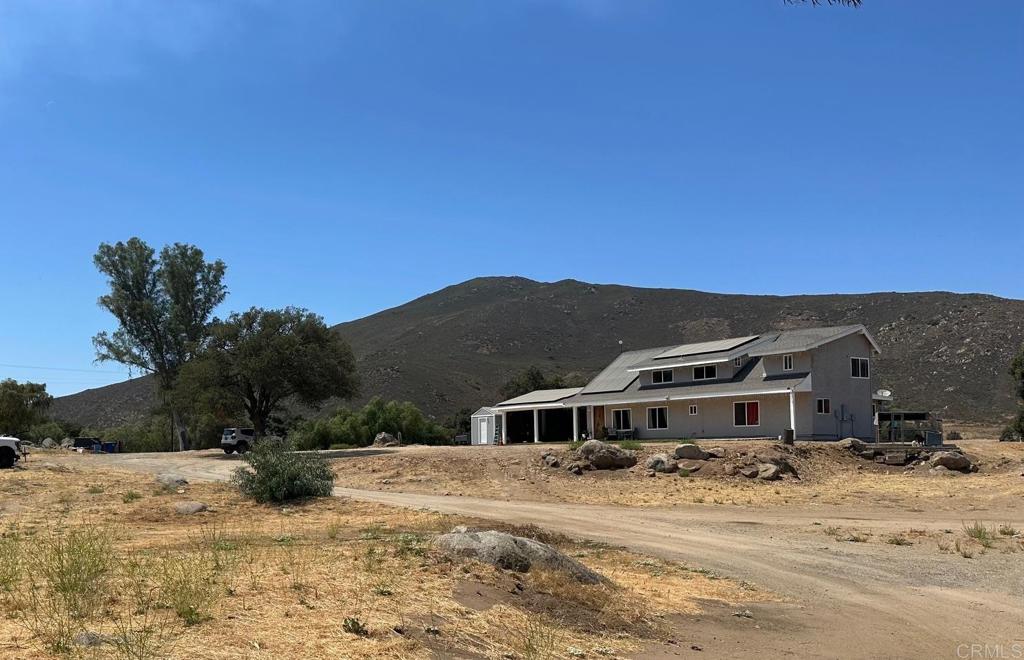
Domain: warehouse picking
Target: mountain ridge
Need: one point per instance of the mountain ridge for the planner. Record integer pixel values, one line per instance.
(453, 348)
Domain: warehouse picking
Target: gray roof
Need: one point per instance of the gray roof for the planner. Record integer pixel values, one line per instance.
(750, 379)
(616, 377)
(804, 339)
(484, 412)
(542, 396)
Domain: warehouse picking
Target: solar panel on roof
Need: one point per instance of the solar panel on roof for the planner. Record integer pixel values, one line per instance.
(706, 347)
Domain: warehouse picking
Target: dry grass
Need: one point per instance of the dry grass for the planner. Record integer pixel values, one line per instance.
(328, 578)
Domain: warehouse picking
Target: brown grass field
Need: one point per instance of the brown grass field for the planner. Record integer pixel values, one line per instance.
(325, 578)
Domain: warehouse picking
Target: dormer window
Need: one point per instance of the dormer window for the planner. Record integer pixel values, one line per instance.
(706, 372)
(661, 376)
(787, 363)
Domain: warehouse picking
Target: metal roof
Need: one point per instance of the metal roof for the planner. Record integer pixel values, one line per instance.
(705, 347)
(484, 412)
(805, 339)
(541, 396)
(616, 376)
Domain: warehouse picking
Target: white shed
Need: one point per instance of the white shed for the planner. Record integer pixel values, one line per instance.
(486, 427)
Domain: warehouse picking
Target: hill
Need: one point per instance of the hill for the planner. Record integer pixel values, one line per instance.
(454, 348)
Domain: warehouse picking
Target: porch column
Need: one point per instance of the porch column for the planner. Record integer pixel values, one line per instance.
(575, 424)
(536, 425)
(792, 412)
(504, 432)
(590, 421)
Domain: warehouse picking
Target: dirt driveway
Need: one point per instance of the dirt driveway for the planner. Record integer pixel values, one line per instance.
(842, 599)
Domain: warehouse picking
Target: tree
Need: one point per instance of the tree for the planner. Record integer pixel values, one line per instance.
(261, 358)
(532, 378)
(1015, 429)
(22, 405)
(461, 421)
(162, 306)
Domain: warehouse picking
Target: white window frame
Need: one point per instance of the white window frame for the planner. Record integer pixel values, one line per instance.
(671, 376)
(705, 367)
(737, 362)
(867, 367)
(787, 362)
(693, 409)
(657, 428)
(746, 426)
(823, 410)
(625, 428)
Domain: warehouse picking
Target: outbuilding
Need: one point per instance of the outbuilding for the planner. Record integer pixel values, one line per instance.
(485, 428)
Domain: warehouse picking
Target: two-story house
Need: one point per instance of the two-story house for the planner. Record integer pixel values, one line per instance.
(815, 381)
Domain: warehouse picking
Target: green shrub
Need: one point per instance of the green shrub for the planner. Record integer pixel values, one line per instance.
(980, 533)
(187, 586)
(358, 428)
(276, 473)
(354, 626)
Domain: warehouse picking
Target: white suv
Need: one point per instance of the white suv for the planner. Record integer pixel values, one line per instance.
(11, 451)
(239, 440)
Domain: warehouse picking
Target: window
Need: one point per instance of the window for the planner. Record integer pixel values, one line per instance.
(859, 368)
(787, 363)
(737, 362)
(657, 418)
(708, 372)
(622, 419)
(824, 406)
(662, 376)
(746, 413)
(693, 409)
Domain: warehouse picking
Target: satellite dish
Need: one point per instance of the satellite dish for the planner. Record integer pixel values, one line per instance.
(884, 392)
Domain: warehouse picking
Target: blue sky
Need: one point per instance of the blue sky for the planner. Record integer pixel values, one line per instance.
(350, 156)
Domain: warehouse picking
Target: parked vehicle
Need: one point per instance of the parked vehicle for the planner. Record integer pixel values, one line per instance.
(12, 450)
(237, 440)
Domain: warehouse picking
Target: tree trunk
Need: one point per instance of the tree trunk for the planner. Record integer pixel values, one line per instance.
(182, 431)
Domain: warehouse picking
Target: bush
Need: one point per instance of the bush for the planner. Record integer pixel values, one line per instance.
(954, 435)
(1014, 432)
(359, 427)
(279, 474)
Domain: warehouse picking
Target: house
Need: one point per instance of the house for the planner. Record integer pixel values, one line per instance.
(815, 381)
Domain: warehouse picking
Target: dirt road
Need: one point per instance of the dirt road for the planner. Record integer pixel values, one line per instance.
(841, 599)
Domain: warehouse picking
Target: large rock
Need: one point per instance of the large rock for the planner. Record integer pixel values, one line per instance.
(67, 442)
(951, 460)
(691, 452)
(189, 508)
(661, 463)
(769, 472)
(603, 456)
(171, 480)
(550, 460)
(49, 443)
(513, 553)
(385, 439)
(852, 444)
(716, 452)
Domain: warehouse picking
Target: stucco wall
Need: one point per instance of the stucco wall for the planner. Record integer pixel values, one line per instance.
(714, 418)
(850, 397)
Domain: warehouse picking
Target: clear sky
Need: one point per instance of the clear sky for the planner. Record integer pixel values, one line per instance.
(350, 156)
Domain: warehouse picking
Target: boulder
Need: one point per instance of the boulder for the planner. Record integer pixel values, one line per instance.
(171, 480)
(749, 471)
(951, 460)
(513, 553)
(691, 452)
(67, 442)
(769, 472)
(189, 508)
(661, 463)
(603, 456)
(730, 469)
(49, 443)
(852, 444)
(89, 639)
(575, 468)
(689, 467)
(550, 460)
(716, 452)
(385, 439)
